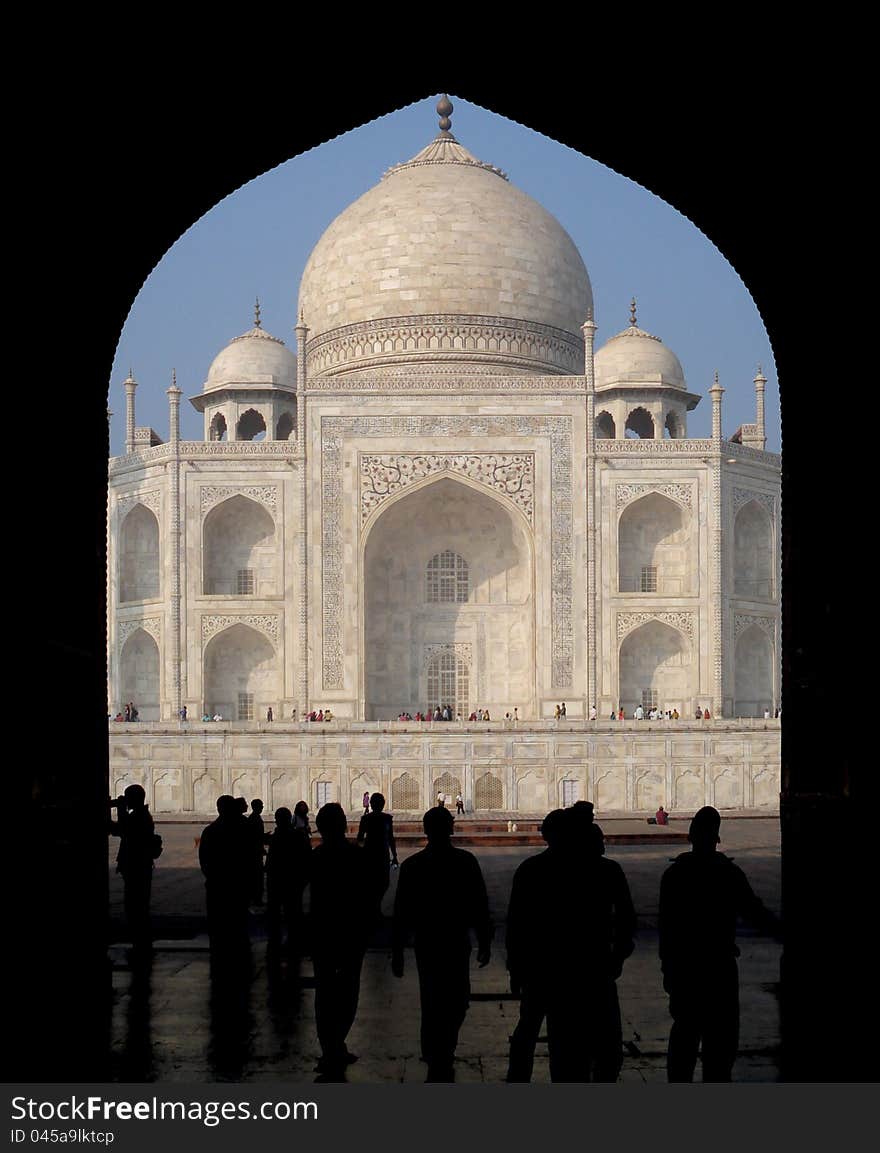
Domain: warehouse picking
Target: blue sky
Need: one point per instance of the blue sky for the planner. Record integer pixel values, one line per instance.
(256, 243)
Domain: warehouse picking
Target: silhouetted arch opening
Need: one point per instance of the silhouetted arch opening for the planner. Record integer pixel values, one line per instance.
(217, 429)
(284, 428)
(605, 426)
(639, 425)
(251, 426)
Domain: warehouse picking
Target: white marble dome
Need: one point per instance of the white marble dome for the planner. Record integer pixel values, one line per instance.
(446, 243)
(256, 357)
(636, 357)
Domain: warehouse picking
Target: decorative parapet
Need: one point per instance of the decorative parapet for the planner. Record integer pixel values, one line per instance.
(266, 623)
(151, 625)
(682, 448)
(445, 381)
(214, 494)
(513, 475)
(683, 622)
(745, 452)
(261, 449)
(681, 493)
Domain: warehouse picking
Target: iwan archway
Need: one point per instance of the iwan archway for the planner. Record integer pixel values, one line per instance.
(448, 604)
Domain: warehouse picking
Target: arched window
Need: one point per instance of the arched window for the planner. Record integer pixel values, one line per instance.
(449, 683)
(139, 556)
(251, 426)
(405, 793)
(605, 427)
(488, 792)
(218, 427)
(639, 425)
(285, 426)
(446, 579)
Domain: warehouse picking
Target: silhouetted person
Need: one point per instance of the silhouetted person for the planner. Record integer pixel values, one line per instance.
(301, 817)
(137, 845)
(701, 895)
(258, 840)
(525, 971)
(339, 920)
(226, 858)
(570, 928)
(376, 837)
(287, 873)
(441, 896)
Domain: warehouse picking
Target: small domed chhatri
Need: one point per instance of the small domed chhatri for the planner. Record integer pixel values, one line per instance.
(445, 266)
(446, 505)
(255, 357)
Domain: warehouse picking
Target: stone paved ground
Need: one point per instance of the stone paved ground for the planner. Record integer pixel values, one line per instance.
(166, 1028)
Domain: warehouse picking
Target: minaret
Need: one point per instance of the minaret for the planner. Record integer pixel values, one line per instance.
(130, 385)
(760, 382)
(716, 543)
(301, 690)
(589, 330)
(716, 392)
(174, 395)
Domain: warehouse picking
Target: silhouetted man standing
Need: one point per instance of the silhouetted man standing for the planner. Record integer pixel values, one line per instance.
(258, 839)
(701, 895)
(287, 873)
(137, 844)
(340, 921)
(570, 928)
(376, 838)
(441, 896)
(226, 858)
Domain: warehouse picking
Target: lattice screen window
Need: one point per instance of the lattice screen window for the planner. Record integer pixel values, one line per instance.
(447, 579)
(488, 793)
(447, 784)
(649, 579)
(322, 793)
(245, 706)
(570, 791)
(650, 699)
(245, 583)
(405, 793)
(449, 683)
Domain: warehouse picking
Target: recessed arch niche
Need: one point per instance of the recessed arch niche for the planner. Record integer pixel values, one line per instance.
(753, 552)
(655, 657)
(239, 549)
(139, 555)
(139, 679)
(490, 630)
(240, 666)
(654, 547)
(753, 673)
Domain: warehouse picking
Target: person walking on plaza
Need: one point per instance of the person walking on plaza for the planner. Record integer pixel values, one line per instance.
(287, 873)
(701, 895)
(366, 801)
(441, 897)
(376, 838)
(459, 805)
(340, 922)
(226, 858)
(139, 845)
(258, 841)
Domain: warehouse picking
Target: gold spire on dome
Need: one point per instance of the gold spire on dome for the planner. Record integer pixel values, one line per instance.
(257, 322)
(632, 312)
(444, 111)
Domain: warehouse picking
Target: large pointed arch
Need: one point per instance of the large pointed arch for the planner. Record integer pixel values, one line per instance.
(654, 547)
(753, 552)
(239, 549)
(753, 673)
(403, 627)
(140, 674)
(139, 555)
(241, 674)
(655, 666)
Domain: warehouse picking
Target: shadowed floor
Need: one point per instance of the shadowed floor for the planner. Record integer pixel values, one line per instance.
(172, 1023)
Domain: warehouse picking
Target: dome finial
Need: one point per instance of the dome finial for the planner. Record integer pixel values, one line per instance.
(632, 312)
(257, 322)
(444, 111)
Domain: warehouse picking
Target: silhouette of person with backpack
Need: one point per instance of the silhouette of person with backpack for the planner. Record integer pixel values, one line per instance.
(701, 895)
(340, 922)
(441, 896)
(139, 845)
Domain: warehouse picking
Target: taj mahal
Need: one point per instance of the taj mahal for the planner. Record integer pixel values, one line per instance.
(446, 493)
